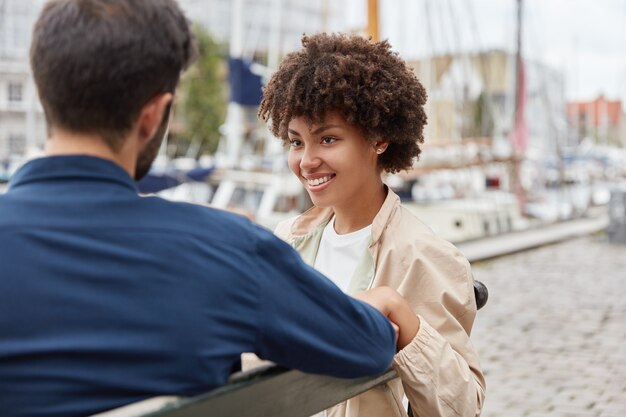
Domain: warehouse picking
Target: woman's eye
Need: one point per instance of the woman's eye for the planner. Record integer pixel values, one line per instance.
(294, 143)
(328, 140)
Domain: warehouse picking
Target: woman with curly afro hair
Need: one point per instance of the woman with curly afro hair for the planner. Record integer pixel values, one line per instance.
(349, 110)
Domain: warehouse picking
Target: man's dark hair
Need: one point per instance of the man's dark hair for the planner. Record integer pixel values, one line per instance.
(365, 81)
(96, 63)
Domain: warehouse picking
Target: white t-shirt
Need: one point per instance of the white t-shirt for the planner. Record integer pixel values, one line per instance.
(338, 255)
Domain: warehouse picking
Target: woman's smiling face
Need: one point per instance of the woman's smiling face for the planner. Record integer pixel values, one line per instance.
(333, 160)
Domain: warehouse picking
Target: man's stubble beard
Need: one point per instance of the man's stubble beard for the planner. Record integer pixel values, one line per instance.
(147, 156)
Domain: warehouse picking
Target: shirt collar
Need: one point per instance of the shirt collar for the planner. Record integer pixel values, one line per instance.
(76, 167)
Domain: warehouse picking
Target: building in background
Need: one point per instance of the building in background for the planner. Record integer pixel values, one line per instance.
(601, 120)
(22, 123)
(472, 96)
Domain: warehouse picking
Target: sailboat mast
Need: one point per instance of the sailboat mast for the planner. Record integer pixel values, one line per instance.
(235, 118)
(518, 57)
(372, 20)
(519, 132)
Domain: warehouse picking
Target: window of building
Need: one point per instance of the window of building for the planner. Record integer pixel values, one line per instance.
(15, 92)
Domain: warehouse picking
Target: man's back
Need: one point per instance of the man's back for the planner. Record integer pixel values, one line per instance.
(107, 297)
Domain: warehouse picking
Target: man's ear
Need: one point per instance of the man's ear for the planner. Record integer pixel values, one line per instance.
(151, 115)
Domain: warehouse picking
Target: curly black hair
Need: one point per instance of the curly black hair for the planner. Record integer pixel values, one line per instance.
(365, 81)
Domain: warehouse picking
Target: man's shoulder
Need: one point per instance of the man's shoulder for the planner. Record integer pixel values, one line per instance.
(199, 219)
(195, 210)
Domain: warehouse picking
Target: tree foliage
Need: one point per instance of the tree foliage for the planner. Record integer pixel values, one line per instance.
(204, 94)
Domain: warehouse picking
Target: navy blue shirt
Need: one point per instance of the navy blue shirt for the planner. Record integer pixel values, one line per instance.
(107, 297)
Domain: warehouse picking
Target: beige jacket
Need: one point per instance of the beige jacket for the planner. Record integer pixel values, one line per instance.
(439, 370)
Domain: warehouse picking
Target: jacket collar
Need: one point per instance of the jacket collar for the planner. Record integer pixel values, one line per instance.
(315, 217)
(384, 215)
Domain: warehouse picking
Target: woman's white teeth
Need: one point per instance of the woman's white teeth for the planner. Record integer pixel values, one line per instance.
(318, 181)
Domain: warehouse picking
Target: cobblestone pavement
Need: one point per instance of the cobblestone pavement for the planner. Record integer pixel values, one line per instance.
(552, 337)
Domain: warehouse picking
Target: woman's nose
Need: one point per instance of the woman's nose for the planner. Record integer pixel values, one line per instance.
(310, 159)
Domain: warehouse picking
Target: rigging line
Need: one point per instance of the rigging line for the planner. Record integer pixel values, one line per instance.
(429, 28)
(446, 53)
(463, 173)
(402, 27)
(465, 73)
(426, 68)
(485, 74)
(450, 47)
(324, 16)
(473, 23)
(543, 79)
(431, 40)
(532, 33)
(548, 105)
(455, 25)
(459, 73)
(621, 80)
(558, 147)
(442, 28)
(252, 35)
(482, 58)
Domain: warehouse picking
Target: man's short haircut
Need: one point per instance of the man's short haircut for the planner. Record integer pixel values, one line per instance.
(365, 81)
(96, 63)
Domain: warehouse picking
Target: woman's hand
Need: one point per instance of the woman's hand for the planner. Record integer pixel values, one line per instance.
(389, 302)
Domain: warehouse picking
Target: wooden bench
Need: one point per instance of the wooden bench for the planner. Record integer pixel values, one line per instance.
(267, 391)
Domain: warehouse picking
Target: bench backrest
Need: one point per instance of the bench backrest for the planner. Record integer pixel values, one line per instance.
(269, 391)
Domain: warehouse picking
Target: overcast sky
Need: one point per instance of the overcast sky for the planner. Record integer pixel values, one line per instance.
(585, 39)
